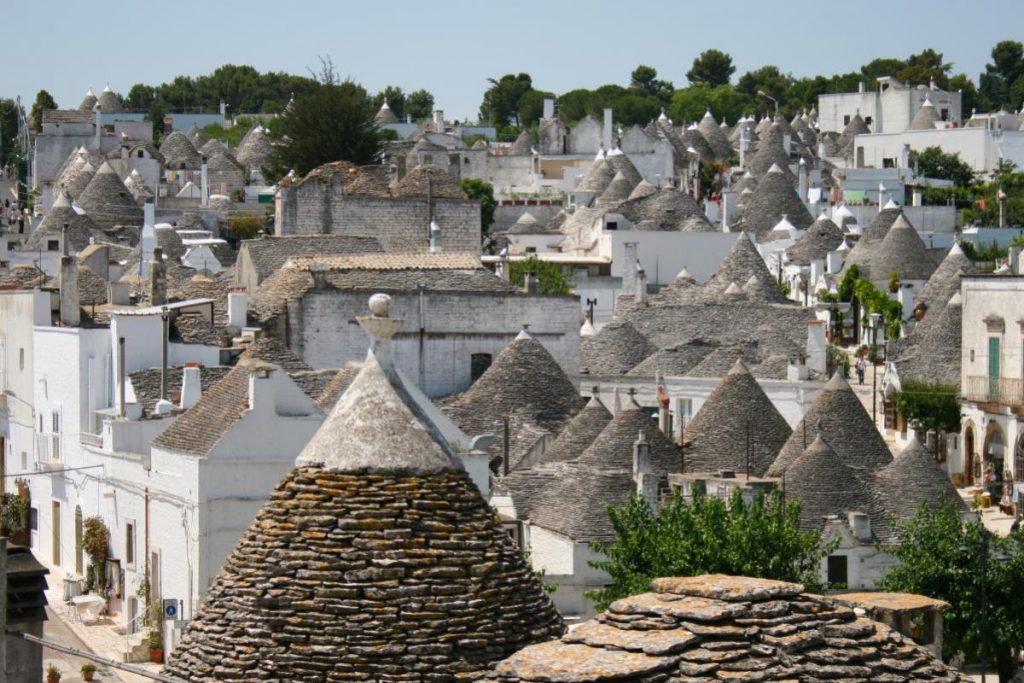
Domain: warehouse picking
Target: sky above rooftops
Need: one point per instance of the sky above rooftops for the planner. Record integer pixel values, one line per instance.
(451, 47)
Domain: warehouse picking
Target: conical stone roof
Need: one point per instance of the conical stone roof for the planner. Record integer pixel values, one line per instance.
(913, 478)
(108, 202)
(838, 415)
(864, 249)
(902, 252)
(196, 137)
(742, 262)
(523, 145)
(179, 153)
(773, 198)
(692, 137)
(88, 102)
(79, 180)
(699, 628)
(642, 189)
(770, 153)
(825, 485)
(737, 424)
(620, 163)
(716, 138)
(615, 349)
(254, 151)
(667, 209)
(855, 127)
(526, 383)
(212, 146)
(617, 192)
(945, 281)
(925, 118)
(109, 102)
(931, 353)
(579, 434)
(384, 115)
(375, 557)
(80, 227)
(597, 177)
(817, 241)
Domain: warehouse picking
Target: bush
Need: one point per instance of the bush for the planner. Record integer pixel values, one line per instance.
(245, 227)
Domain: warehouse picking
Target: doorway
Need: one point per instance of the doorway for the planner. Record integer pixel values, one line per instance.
(55, 526)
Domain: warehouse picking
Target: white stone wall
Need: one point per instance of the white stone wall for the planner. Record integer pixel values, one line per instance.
(566, 564)
(441, 331)
(976, 146)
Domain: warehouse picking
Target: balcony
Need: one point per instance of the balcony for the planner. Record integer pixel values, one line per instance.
(48, 451)
(1002, 390)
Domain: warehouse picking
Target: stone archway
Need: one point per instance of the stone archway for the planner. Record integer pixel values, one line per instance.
(994, 449)
(1018, 459)
(967, 461)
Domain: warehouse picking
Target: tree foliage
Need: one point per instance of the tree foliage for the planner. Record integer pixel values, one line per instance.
(711, 68)
(551, 277)
(395, 98)
(43, 102)
(706, 535)
(644, 80)
(331, 123)
(1002, 82)
(724, 102)
(932, 162)
(8, 129)
(419, 104)
(933, 406)
(483, 192)
(941, 557)
(500, 106)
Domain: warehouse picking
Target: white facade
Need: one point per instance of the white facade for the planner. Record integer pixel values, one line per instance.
(566, 564)
(981, 148)
(888, 109)
(992, 375)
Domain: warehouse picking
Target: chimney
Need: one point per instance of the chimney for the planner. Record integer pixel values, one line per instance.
(606, 133)
(641, 286)
(725, 212)
(238, 307)
(549, 108)
(834, 261)
(191, 387)
(223, 109)
(629, 266)
(804, 180)
(435, 237)
(644, 478)
(860, 525)
(70, 312)
(882, 189)
(860, 87)
(261, 391)
(744, 142)
(504, 268)
(318, 271)
(787, 143)
(796, 370)
(917, 196)
(905, 157)
(816, 345)
(204, 183)
(119, 293)
(120, 378)
(157, 279)
(439, 120)
(99, 126)
(1014, 260)
(147, 240)
(641, 455)
(531, 285)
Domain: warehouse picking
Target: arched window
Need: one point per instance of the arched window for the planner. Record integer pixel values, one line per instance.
(478, 364)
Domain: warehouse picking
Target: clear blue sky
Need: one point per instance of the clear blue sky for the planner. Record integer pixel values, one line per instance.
(452, 47)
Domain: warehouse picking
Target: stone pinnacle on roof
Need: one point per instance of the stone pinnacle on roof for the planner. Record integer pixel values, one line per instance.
(737, 425)
(841, 419)
(373, 558)
(88, 102)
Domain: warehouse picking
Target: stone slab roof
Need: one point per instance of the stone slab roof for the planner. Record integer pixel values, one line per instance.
(197, 431)
(67, 116)
(721, 628)
(444, 260)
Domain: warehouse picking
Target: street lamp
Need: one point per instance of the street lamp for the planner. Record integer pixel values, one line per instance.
(876, 319)
(1000, 557)
(765, 95)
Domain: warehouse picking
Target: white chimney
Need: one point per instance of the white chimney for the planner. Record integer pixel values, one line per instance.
(191, 387)
(917, 196)
(641, 286)
(644, 478)
(163, 407)
(787, 143)
(238, 307)
(1013, 256)
(261, 392)
(119, 293)
(439, 120)
(744, 142)
(804, 180)
(435, 236)
(834, 260)
(70, 312)
(816, 345)
(99, 126)
(860, 525)
(549, 108)
(606, 133)
(204, 180)
(629, 260)
(796, 370)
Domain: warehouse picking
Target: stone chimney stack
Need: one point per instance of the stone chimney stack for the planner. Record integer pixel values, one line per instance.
(629, 261)
(191, 387)
(99, 125)
(318, 271)
(157, 279)
(238, 307)
(606, 131)
(439, 120)
(70, 313)
(641, 286)
(644, 478)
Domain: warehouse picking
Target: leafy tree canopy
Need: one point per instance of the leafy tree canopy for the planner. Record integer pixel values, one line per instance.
(941, 557)
(551, 277)
(419, 104)
(932, 406)
(932, 162)
(705, 535)
(333, 122)
(645, 81)
(500, 106)
(43, 102)
(483, 192)
(712, 68)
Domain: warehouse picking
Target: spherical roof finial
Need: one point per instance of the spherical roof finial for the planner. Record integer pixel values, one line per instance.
(380, 305)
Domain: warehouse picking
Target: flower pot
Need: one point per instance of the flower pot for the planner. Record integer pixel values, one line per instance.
(53, 679)
(88, 676)
(156, 655)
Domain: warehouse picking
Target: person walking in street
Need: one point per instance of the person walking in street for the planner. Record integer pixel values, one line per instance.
(860, 370)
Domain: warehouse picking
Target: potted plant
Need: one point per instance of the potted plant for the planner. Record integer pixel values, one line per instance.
(155, 642)
(52, 674)
(88, 670)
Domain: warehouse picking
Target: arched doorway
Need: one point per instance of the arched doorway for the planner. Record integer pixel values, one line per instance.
(994, 454)
(79, 544)
(1018, 459)
(967, 461)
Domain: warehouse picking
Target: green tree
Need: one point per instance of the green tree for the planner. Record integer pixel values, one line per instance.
(395, 98)
(419, 104)
(140, 97)
(1005, 69)
(724, 101)
(500, 106)
(706, 535)
(924, 66)
(8, 129)
(769, 80)
(43, 102)
(483, 192)
(531, 106)
(574, 105)
(932, 162)
(968, 93)
(155, 115)
(551, 277)
(644, 80)
(932, 406)
(881, 66)
(711, 67)
(332, 123)
(941, 557)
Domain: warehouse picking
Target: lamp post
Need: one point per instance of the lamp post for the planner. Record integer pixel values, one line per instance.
(765, 95)
(1000, 557)
(876, 319)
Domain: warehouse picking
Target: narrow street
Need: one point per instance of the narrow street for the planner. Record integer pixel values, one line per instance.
(68, 665)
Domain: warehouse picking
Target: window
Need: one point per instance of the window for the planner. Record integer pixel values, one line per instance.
(888, 162)
(838, 576)
(944, 114)
(140, 154)
(868, 120)
(478, 364)
(846, 120)
(129, 543)
(611, 225)
(428, 158)
(52, 245)
(531, 250)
